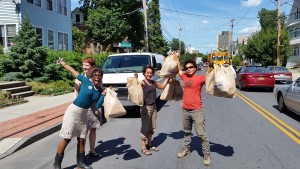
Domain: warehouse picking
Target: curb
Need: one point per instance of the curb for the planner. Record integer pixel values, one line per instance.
(32, 139)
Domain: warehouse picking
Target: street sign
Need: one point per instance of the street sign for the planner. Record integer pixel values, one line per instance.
(125, 45)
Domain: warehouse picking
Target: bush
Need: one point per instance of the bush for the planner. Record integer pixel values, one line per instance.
(11, 76)
(52, 88)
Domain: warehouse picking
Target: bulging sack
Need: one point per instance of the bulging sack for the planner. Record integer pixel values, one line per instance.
(135, 91)
(170, 67)
(112, 105)
(220, 82)
(173, 91)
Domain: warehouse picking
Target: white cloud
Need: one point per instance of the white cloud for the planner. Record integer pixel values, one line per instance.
(250, 3)
(205, 21)
(250, 30)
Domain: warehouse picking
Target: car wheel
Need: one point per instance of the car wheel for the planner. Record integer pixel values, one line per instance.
(281, 105)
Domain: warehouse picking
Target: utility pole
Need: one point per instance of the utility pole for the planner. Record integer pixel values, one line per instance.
(179, 39)
(145, 26)
(232, 20)
(278, 32)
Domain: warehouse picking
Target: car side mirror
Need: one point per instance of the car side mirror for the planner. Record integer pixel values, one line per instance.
(158, 66)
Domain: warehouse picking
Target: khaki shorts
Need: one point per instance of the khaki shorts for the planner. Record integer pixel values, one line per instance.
(148, 118)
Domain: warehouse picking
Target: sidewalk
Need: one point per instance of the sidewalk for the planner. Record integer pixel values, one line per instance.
(23, 124)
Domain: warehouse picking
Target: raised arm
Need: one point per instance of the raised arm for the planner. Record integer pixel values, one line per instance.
(162, 85)
(69, 68)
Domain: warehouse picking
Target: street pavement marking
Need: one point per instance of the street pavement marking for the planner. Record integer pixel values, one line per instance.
(286, 129)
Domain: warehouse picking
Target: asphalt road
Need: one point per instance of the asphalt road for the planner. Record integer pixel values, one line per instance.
(241, 133)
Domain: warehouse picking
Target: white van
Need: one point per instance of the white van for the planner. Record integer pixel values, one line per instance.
(118, 67)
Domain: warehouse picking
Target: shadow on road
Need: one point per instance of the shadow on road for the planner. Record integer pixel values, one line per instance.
(289, 113)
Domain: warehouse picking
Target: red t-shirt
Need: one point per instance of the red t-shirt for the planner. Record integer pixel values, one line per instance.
(192, 91)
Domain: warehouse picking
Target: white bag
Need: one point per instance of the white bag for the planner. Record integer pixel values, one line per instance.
(170, 67)
(220, 82)
(178, 91)
(173, 91)
(112, 105)
(135, 91)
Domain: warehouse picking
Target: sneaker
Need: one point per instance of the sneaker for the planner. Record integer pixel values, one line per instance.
(206, 159)
(183, 152)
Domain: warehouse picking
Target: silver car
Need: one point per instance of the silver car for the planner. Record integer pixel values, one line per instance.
(281, 74)
(288, 96)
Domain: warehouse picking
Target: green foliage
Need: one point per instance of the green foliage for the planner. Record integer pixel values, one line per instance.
(157, 43)
(11, 76)
(1, 50)
(101, 58)
(174, 44)
(236, 60)
(205, 57)
(52, 88)
(262, 47)
(78, 38)
(5, 99)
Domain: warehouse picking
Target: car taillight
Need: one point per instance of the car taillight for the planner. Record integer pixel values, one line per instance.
(271, 76)
(288, 74)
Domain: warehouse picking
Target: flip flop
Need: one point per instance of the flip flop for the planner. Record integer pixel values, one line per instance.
(146, 152)
(152, 148)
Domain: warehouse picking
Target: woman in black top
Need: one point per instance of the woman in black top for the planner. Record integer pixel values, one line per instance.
(148, 110)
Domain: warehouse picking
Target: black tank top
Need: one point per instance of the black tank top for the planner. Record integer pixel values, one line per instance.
(149, 93)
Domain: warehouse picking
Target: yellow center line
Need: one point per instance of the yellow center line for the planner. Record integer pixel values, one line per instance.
(274, 120)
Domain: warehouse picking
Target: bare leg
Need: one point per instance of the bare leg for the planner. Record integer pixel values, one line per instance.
(80, 145)
(62, 146)
(92, 139)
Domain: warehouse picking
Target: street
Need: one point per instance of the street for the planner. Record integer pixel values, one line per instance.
(245, 132)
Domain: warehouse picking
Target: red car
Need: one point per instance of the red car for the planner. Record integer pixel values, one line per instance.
(254, 76)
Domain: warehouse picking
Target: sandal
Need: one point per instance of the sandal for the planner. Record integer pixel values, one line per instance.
(152, 148)
(95, 155)
(146, 152)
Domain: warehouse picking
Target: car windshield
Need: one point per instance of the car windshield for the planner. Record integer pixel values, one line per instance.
(278, 69)
(255, 69)
(125, 63)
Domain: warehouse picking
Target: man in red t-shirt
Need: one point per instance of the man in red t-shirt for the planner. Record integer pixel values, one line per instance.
(192, 111)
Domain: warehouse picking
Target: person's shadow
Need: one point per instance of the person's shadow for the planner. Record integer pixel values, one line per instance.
(109, 148)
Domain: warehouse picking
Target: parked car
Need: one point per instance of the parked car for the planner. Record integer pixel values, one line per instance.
(281, 74)
(118, 67)
(288, 96)
(254, 76)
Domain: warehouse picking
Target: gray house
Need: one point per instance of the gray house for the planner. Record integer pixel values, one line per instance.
(293, 26)
(51, 18)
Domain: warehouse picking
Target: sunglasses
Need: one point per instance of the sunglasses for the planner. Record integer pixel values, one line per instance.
(190, 67)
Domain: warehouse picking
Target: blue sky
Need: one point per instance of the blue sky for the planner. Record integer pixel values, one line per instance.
(198, 22)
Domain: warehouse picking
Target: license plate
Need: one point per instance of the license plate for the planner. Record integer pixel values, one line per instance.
(281, 75)
(261, 78)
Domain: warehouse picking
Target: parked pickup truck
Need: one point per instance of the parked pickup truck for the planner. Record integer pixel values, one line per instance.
(118, 67)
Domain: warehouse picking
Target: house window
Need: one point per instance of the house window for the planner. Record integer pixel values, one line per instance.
(10, 33)
(62, 7)
(62, 41)
(49, 5)
(77, 16)
(30, 1)
(39, 32)
(37, 2)
(59, 7)
(2, 36)
(50, 39)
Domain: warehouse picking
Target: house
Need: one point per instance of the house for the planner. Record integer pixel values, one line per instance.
(293, 26)
(51, 18)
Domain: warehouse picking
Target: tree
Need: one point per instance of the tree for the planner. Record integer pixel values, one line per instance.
(114, 21)
(78, 39)
(174, 44)
(156, 41)
(261, 47)
(27, 57)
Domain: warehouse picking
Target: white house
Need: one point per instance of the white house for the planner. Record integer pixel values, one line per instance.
(293, 26)
(51, 18)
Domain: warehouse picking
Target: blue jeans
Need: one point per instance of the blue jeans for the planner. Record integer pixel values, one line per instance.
(188, 118)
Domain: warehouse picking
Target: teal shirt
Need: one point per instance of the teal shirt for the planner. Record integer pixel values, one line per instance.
(88, 94)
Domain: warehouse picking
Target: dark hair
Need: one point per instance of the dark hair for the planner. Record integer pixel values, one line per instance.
(192, 61)
(147, 67)
(95, 70)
